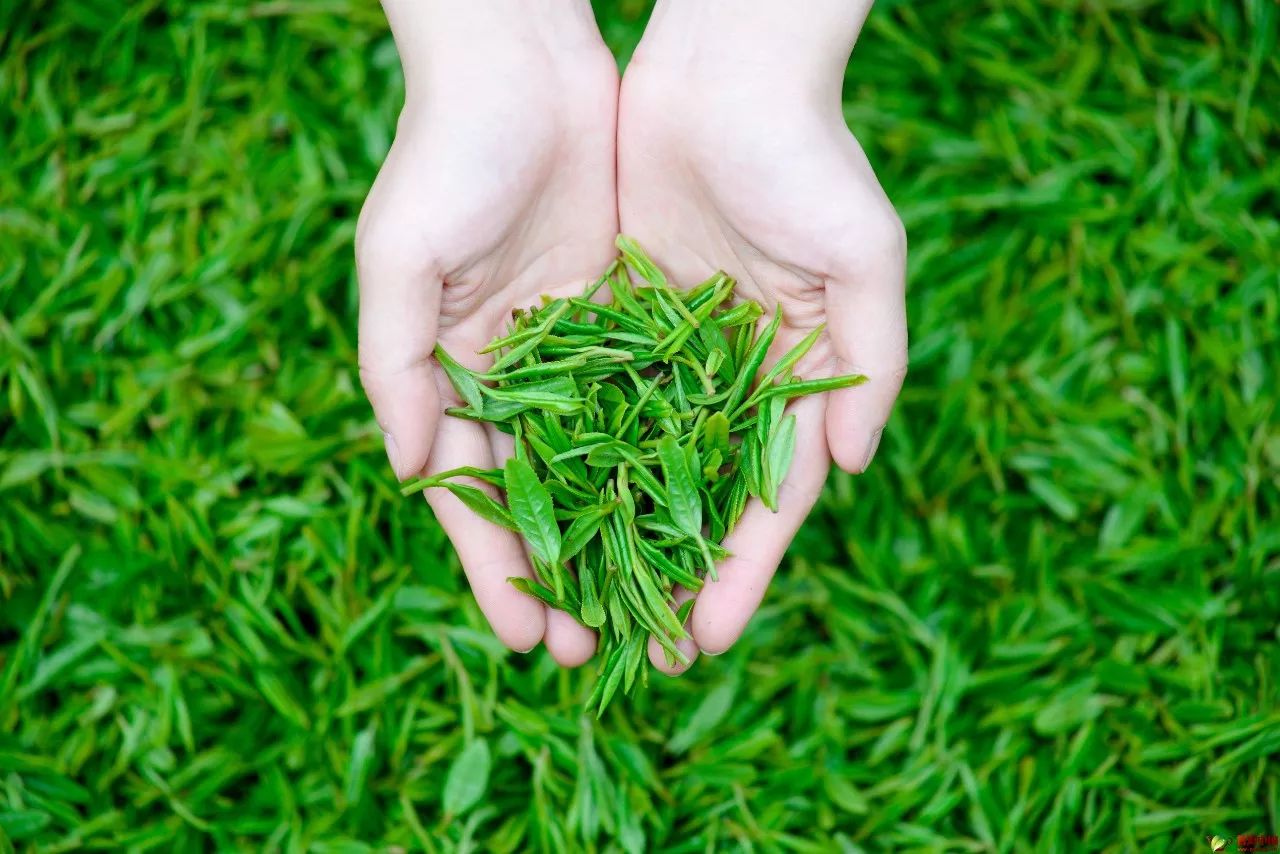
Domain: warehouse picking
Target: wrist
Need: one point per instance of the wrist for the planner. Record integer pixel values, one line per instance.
(442, 40)
(761, 45)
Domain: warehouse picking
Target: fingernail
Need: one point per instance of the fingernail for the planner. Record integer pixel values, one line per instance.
(393, 452)
(871, 448)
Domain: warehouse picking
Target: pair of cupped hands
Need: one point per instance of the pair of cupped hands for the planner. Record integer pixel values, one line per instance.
(519, 156)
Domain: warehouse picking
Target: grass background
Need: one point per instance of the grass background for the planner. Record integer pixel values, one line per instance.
(1045, 620)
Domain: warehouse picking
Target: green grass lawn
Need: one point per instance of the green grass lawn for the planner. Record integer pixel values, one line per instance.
(1047, 619)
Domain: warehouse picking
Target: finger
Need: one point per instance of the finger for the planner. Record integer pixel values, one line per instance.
(501, 445)
(658, 655)
(761, 537)
(867, 323)
(570, 643)
(489, 554)
(399, 304)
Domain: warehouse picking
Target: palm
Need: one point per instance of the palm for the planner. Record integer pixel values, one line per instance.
(506, 204)
(782, 198)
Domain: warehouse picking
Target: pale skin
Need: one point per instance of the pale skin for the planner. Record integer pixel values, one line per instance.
(731, 153)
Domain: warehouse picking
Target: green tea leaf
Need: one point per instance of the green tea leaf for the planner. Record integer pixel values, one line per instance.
(751, 363)
(611, 677)
(480, 503)
(786, 363)
(715, 517)
(682, 493)
(462, 380)
(668, 567)
(632, 660)
(743, 314)
(749, 457)
(781, 448)
(625, 297)
(530, 507)
(637, 260)
(685, 610)
(559, 367)
(802, 388)
(583, 529)
(491, 476)
(544, 400)
(532, 339)
(738, 496)
(592, 612)
(534, 589)
(711, 467)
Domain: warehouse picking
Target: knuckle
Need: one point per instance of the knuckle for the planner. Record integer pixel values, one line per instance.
(885, 238)
(388, 245)
(899, 232)
(369, 229)
(380, 246)
(875, 247)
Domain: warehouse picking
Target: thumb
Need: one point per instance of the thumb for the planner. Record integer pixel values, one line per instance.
(399, 313)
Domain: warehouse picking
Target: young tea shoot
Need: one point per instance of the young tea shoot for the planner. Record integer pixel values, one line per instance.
(642, 428)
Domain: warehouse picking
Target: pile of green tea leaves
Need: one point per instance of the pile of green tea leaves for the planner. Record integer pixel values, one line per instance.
(641, 432)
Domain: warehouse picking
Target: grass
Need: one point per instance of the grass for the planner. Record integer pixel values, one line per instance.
(1045, 620)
